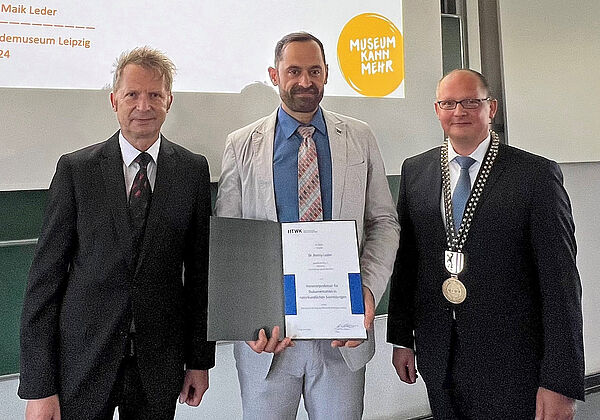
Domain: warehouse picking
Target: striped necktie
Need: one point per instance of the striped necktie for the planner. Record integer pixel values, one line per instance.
(141, 192)
(310, 207)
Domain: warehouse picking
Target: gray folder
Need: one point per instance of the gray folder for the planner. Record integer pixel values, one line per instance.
(245, 283)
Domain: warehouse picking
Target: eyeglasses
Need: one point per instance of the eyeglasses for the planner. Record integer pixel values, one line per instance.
(465, 103)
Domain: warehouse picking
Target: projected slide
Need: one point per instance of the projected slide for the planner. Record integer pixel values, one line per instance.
(219, 46)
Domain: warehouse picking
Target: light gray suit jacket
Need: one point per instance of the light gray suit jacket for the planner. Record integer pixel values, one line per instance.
(360, 192)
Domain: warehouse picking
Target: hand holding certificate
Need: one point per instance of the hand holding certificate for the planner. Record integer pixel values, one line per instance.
(303, 277)
(369, 300)
(272, 344)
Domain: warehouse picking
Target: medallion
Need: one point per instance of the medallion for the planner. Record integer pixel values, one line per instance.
(454, 290)
(454, 259)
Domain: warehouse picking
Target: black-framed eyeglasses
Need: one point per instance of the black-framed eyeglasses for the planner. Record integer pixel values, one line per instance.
(469, 103)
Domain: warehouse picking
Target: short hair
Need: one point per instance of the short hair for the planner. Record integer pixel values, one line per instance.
(148, 58)
(482, 80)
(296, 37)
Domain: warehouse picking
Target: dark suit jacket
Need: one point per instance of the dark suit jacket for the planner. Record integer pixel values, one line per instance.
(84, 286)
(521, 325)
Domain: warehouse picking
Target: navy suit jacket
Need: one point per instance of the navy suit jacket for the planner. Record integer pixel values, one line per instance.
(84, 285)
(521, 324)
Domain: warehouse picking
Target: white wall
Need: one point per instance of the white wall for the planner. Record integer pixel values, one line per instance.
(582, 181)
(551, 59)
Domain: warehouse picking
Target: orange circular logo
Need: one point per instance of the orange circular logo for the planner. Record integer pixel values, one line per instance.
(370, 54)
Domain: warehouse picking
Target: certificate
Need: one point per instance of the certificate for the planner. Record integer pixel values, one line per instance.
(303, 277)
(322, 282)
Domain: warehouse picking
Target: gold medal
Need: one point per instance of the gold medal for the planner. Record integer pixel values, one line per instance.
(454, 290)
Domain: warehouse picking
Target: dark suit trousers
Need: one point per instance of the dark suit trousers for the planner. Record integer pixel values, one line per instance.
(468, 396)
(128, 395)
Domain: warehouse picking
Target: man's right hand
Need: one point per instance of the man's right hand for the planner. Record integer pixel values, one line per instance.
(272, 345)
(43, 409)
(403, 360)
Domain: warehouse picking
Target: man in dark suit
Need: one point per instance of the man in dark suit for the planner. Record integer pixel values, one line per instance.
(108, 320)
(493, 295)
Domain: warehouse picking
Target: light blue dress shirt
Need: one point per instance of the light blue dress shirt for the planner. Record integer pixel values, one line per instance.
(285, 165)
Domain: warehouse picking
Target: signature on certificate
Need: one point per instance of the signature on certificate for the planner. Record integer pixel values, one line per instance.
(346, 326)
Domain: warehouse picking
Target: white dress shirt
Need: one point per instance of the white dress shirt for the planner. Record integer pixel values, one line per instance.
(130, 168)
(478, 155)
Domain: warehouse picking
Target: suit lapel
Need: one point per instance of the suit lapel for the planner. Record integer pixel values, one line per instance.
(166, 171)
(337, 133)
(429, 180)
(111, 165)
(435, 185)
(263, 138)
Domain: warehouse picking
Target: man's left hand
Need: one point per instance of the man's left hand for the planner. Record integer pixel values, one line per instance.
(551, 405)
(369, 317)
(195, 385)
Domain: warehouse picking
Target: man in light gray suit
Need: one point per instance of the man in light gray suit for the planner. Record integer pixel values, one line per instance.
(259, 180)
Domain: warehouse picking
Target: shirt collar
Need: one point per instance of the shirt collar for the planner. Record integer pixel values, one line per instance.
(289, 124)
(478, 154)
(129, 152)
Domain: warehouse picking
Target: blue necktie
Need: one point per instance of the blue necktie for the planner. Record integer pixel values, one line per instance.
(462, 189)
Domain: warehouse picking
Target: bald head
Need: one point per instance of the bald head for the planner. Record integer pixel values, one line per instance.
(482, 81)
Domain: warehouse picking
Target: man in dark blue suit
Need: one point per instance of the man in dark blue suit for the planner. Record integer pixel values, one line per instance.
(485, 286)
(108, 319)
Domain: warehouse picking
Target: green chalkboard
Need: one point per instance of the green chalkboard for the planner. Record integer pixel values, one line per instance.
(394, 182)
(20, 219)
(14, 265)
(21, 215)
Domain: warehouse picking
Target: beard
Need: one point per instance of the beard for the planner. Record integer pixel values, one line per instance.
(302, 103)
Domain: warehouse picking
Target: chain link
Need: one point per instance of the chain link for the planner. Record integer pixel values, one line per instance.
(454, 239)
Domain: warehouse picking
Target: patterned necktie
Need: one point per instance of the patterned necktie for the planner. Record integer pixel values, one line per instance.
(462, 189)
(140, 195)
(309, 186)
